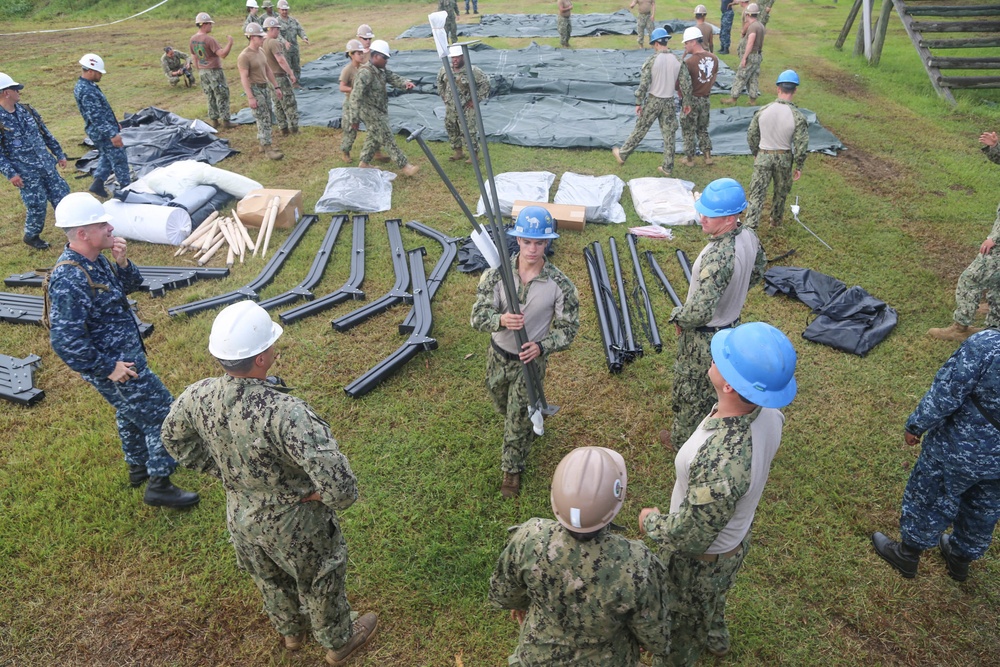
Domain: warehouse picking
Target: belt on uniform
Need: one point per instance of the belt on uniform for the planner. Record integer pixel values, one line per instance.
(715, 329)
(775, 152)
(509, 356)
(714, 558)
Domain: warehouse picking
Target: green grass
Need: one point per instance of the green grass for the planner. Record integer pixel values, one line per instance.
(91, 576)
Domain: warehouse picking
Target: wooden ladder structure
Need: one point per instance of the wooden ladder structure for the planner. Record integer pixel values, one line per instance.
(974, 30)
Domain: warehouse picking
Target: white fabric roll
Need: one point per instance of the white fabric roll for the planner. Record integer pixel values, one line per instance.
(146, 222)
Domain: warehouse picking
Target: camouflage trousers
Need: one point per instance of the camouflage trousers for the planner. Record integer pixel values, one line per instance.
(111, 158)
(940, 493)
(643, 27)
(141, 405)
(693, 394)
(454, 129)
(298, 560)
(349, 134)
(262, 114)
(505, 382)
(379, 135)
(663, 110)
(767, 167)
(286, 110)
(565, 27)
(216, 89)
(725, 31)
(451, 27)
(983, 274)
(746, 78)
(695, 125)
(42, 187)
(475, 6)
(293, 58)
(698, 608)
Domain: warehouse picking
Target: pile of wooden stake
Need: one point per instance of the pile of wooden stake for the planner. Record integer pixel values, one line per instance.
(217, 231)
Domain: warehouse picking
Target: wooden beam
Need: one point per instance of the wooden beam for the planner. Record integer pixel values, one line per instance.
(848, 24)
(933, 73)
(970, 81)
(965, 63)
(956, 26)
(880, 30)
(954, 10)
(960, 43)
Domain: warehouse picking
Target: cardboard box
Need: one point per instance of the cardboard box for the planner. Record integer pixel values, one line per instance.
(568, 216)
(251, 208)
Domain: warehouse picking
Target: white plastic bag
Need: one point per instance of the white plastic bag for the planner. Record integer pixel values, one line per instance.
(518, 185)
(663, 201)
(179, 177)
(600, 194)
(356, 189)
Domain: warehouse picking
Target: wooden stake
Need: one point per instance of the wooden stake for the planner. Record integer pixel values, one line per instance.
(263, 226)
(243, 231)
(270, 226)
(199, 231)
(212, 231)
(208, 255)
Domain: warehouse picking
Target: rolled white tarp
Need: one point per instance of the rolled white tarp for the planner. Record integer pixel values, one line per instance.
(150, 223)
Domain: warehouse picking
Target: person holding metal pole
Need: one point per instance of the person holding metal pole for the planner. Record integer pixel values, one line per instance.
(464, 97)
(549, 315)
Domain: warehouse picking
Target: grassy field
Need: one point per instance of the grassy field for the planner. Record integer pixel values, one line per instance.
(91, 576)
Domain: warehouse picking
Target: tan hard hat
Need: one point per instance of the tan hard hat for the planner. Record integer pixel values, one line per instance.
(271, 22)
(588, 488)
(203, 17)
(253, 29)
(354, 45)
(365, 30)
(701, 9)
(283, 4)
(753, 8)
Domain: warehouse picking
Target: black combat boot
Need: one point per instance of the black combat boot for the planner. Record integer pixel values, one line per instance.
(958, 567)
(137, 474)
(900, 555)
(97, 188)
(161, 493)
(35, 242)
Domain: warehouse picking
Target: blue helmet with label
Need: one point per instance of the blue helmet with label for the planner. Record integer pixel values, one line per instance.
(788, 76)
(721, 197)
(658, 35)
(758, 361)
(534, 222)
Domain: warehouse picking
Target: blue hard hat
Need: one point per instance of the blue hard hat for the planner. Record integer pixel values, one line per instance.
(758, 361)
(788, 76)
(534, 222)
(658, 34)
(721, 197)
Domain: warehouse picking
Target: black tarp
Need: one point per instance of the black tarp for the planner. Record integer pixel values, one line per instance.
(851, 320)
(540, 97)
(621, 22)
(155, 138)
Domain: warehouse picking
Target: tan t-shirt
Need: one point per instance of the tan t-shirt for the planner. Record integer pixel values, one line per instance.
(347, 75)
(204, 47)
(706, 36)
(272, 48)
(644, 6)
(255, 63)
(756, 28)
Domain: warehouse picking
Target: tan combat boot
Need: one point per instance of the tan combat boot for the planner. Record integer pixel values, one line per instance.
(459, 155)
(361, 631)
(708, 158)
(511, 485)
(270, 152)
(618, 155)
(380, 158)
(346, 157)
(665, 172)
(365, 165)
(294, 642)
(956, 332)
(410, 170)
(728, 100)
(227, 124)
(753, 101)
(687, 162)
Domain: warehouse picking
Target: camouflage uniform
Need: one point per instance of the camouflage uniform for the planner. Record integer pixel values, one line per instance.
(504, 376)
(451, 124)
(717, 478)
(28, 150)
(746, 78)
(370, 105)
(290, 30)
(694, 125)
(726, 28)
(262, 114)
(765, 10)
(653, 108)
(475, 6)
(450, 23)
(270, 450)
(956, 479)
(643, 26)
(693, 394)
(777, 166)
(983, 274)
(216, 89)
(101, 126)
(252, 19)
(564, 25)
(286, 110)
(93, 329)
(172, 64)
(348, 133)
(590, 603)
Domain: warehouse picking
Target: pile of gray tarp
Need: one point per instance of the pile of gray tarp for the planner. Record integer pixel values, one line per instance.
(621, 22)
(540, 97)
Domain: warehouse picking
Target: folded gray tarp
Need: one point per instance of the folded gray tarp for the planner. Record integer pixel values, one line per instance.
(540, 97)
(621, 22)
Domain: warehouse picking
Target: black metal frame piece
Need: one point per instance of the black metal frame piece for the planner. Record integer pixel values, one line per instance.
(611, 352)
(17, 383)
(449, 248)
(662, 277)
(348, 290)
(418, 341)
(29, 308)
(315, 273)
(632, 348)
(396, 295)
(685, 263)
(264, 278)
(155, 279)
(640, 292)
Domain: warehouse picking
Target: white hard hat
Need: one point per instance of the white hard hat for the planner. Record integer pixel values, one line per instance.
(253, 29)
(454, 51)
(753, 8)
(365, 30)
(241, 331)
(203, 17)
(283, 4)
(93, 61)
(692, 33)
(381, 46)
(701, 9)
(7, 82)
(271, 22)
(253, 3)
(79, 209)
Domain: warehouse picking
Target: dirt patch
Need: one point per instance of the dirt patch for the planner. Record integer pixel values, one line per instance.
(846, 84)
(871, 172)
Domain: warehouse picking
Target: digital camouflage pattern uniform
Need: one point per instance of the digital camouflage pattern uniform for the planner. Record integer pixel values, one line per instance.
(262, 114)
(252, 18)
(589, 604)
(92, 330)
(450, 23)
(765, 10)
(693, 394)
(451, 124)
(270, 450)
(28, 150)
(290, 30)
(213, 83)
(726, 27)
(746, 78)
(643, 26)
(956, 479)
(564, 24)
(983, 274)
(505, 377)
(662, 109)
(777, 166)
(286, 110)
(694, 125)
(173, 63)
(719, 475)
(101, 126)
(370, 105)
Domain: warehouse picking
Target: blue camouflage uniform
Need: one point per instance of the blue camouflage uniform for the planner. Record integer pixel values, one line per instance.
(93, 329)
(28, 150)
(101, 124)
(956, 479)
